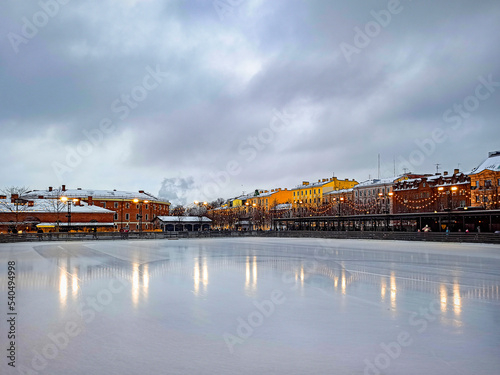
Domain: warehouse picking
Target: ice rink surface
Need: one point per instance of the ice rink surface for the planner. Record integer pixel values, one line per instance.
(252, 306)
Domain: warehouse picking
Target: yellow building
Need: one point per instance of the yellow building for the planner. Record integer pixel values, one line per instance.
(268, 199)
(313, 193)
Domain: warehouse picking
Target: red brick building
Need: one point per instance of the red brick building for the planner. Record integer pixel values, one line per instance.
(51, 215)
(132, 210)
(433, 193)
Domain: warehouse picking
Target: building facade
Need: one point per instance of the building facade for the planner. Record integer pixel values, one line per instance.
(432, 193)
(310, 195)
(132, 210)
(52, 216)
(485, 183)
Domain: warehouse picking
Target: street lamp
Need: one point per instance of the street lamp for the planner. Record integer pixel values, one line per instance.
(66, 200)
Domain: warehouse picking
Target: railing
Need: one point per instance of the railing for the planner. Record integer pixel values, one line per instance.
(473, 237)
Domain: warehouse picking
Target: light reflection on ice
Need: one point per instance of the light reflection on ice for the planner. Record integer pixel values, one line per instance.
(135, 284)
(457, 301)
(443, 296)
(393, 290)
(251, 276)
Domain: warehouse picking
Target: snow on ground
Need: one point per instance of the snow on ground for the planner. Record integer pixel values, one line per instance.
(253, 306)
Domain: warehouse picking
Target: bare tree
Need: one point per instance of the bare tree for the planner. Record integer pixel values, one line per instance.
(178, 210)
(57, 206)
(14, 204)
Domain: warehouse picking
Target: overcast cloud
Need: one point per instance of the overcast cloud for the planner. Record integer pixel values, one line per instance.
(204, 99)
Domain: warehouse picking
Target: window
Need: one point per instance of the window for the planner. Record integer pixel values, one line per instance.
(294, 194)
(310, 192)
(146, 207)
(116, 216)
(104, 204)
(147, 217)
(137, 206)
(127, 217)
(137, 217)
(314, 191)
(487, 184)
(116, 204)
(477, 199)
(127, 205)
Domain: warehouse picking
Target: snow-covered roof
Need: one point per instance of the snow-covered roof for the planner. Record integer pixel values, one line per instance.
(47, 206)
(341, 191)
(183, 219)
(283, 206)
(95, 194)
(377, 182)
(492, 163)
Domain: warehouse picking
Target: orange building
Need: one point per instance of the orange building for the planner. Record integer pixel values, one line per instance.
(485, 182)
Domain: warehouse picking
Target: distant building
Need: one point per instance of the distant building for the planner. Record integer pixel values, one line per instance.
(182, 223)
(485, 182)
(432, 193)
(51, 216)
(339, 202)
(131, 209)
(311, 194)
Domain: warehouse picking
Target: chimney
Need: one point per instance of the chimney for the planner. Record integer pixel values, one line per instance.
(141, 191)
(89, 201)
(31, 203)
(445, 173)
(305, 183)
(79, 189)
(40, 197)
(3, 197)
(63, 187)
(13, 198)
(50, 188)
(456, 171)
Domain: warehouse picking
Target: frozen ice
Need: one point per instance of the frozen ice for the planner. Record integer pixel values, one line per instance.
(253, 306)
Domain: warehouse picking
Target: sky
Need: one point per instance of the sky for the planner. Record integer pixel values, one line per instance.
(200, 99)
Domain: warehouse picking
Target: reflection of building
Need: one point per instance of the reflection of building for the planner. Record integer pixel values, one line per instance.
(131, 208)
(485, 182)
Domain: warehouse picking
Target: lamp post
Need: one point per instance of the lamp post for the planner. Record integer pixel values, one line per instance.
(67, 201)
(140, 213)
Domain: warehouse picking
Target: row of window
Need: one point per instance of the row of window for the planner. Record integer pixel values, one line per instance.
(369, 192)
(310, 200)
(487, 183)
(137, 206)
(311, 192)
(127, 217)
